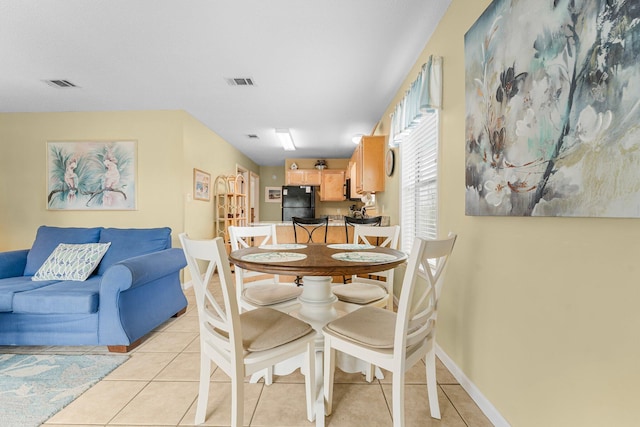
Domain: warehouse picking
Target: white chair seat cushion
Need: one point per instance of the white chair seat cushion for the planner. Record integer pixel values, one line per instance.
(371, 326)
(270, 294)
(265, 328)
(358, 293)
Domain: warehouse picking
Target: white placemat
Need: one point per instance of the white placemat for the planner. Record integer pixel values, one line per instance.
(363, 257)
(359, 246)
(274, 257)
(281, 246)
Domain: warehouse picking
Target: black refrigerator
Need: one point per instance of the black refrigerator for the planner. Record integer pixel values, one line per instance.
(298, 201)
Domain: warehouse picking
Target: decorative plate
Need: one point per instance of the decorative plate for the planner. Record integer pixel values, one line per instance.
(283, 246)
(274, 257)
(363, 257)
(350, 246)
(389, 162)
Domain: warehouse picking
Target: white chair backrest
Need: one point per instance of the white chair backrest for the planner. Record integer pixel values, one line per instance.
(212, 317)
(377, 236)
(241, 237)
(418, 306)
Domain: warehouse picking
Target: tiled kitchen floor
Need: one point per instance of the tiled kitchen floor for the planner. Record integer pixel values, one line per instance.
(158, 386)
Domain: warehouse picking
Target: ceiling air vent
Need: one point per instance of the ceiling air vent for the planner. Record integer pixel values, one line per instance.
(62, 84)
(239, 81)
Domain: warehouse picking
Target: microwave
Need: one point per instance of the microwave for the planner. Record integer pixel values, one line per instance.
(347, 191)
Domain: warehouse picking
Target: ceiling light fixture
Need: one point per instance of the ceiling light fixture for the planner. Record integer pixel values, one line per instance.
(356, 138)
(284, 135)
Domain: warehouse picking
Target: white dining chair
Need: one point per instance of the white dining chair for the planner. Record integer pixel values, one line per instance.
(241, 344)
(396, 342)
(255, 289)
(376, 291)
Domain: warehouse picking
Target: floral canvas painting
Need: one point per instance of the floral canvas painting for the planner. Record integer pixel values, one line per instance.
(553, 109)
(91, 175)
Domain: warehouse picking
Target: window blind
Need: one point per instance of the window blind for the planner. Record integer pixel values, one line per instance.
(419, 179)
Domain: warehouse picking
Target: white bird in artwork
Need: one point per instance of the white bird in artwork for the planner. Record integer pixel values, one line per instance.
(112, 175)
(71, 178)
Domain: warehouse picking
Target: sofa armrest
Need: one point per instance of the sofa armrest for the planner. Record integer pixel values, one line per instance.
(12, 263)
(142, 269)
(139, 294)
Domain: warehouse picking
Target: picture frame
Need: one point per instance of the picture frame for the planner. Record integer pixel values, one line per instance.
(201, 185)
(273, 194)
(91, 175)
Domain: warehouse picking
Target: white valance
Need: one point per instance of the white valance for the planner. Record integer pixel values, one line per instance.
(424, 94)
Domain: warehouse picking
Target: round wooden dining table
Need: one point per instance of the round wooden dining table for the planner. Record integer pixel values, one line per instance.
(317, 263)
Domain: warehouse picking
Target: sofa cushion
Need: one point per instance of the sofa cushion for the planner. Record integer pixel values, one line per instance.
(66, 297)
(48, 238)
(128, 243)
(71, 262)
(12, 285)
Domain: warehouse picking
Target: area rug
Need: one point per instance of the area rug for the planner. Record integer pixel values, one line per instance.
(35, 387)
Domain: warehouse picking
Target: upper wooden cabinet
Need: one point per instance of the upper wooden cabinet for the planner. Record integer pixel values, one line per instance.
(332, 186)
(368, 164)
(303, 177)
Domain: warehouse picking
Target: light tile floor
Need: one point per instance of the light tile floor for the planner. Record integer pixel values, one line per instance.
(158, 386)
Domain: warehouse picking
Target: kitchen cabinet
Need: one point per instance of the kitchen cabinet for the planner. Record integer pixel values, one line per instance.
(303, 177)
(367, 164)
(332, 186)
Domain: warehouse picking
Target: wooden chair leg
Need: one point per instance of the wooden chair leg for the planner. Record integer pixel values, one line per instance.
(203, 389)
(310, 381)
(268, 378)
(237, 400)
(329, 372)
(432, 385)
(368, 374)
(397, 399)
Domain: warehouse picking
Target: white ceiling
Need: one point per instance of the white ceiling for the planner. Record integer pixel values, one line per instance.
(324, 69)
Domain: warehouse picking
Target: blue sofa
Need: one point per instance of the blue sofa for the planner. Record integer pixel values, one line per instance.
(135, 288)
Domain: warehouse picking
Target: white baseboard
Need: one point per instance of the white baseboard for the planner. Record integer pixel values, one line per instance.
(483, 403)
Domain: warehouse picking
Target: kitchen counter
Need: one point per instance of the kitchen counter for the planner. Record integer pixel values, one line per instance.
(284, 231)
(332, 223)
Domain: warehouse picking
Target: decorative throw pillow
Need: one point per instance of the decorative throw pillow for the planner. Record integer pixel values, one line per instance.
(72, 262)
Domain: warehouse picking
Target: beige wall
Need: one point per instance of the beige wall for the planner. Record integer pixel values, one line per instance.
(541, 314)
(169, 145)
(207, 151)
(270, 176)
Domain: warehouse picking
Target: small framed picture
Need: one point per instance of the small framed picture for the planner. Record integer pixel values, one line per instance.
(201, 185)
(273, 194)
